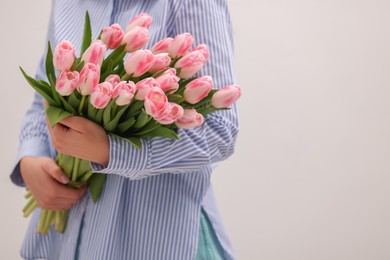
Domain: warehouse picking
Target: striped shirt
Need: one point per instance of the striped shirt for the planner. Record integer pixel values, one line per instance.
(151, 203)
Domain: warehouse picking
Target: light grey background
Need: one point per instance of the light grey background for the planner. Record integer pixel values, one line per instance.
(310, 176)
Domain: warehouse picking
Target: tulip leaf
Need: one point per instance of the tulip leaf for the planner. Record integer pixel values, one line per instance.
(91, 112)
(125, 126)
(135, 141)
(112, 57)
(66, 163)
(134, 107)
(49, 63)
(99, 116)
(74, 101)
(160, 132)
(40, 88)
(55, 114)
(107, 112)
(87, 36)
(150, 126)
(54, 92)
(84, 167)
(110, 126)
(142, 119)
(208, 110)
(96, 184)
(67, 106)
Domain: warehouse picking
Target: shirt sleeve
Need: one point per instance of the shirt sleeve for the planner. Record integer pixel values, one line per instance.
(33, 137)
(209, 22)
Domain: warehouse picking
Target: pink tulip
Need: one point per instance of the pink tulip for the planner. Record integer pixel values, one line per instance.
(89, 78)
(95, 53)
(101, 95)
(135, 39)
(113, 79)
(144, 86)
(203, 49)
(112, 36)
(67, 82)
(63, 56)
(124, 91)
(168, 81)
(226, 96)
(180, 45)
(162, 62)
(161, 46)
(142, 20)
(190, 64)
(198, 89)
(139, 62)
(172, 113)
(190, 119)
(155, 102)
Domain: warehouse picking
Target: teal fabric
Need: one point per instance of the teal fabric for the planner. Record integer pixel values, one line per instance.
(209, 247)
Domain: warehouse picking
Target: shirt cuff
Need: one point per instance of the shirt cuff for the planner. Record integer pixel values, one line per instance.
(31, 147)
(125, 159)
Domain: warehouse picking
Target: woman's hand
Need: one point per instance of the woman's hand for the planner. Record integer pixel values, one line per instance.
(81, 138)
(46, 180)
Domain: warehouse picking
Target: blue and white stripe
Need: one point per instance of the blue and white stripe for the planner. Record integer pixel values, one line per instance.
(150, 205)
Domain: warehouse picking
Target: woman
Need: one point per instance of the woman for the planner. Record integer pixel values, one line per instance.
(157, 202)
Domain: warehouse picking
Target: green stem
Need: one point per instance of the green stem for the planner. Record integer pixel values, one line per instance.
(86, 176)
(28, 195)
(48, 222)
(42, 220)
(75, 169)
(81, 105)
(29, 208)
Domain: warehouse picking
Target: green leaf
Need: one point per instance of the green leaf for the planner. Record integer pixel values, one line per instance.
(160, 132)
(49, 63)
(74, 101)
(40, 88)
(175, 98)
(206, 99)
(55, 114)
(92, 112)
(208, 110)
(99, 116)
(107, 112)
(96, 185)
(142, 119)
(135, 106)
(84, 167)
(67, 106)
(87, 36)
(150, 126)
(111, 126)
(124, 126)
(135, 141)
(112, 57)
(66, 163)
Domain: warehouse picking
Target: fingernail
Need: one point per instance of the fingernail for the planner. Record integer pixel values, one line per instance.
(64, 179)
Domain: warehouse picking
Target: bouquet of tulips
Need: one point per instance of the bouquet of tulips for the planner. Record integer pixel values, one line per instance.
(131, 92)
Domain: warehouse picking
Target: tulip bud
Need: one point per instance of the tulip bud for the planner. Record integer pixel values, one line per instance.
(190, 119)
(162, 62)
(113, 79)
(89, 78)
(63, 56)
(190, 64)
(155, 102)
(198, 89)
(142, 20)
(168, 81)
(180, 45)
(139, 62)
(135, 39)
(124, 91)
(171, 113)
(203, 49)
(226, 96)
(101, 95)
(67, 82)
(95, 53)
(112, 36)
(144, 86)
(161, 46)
